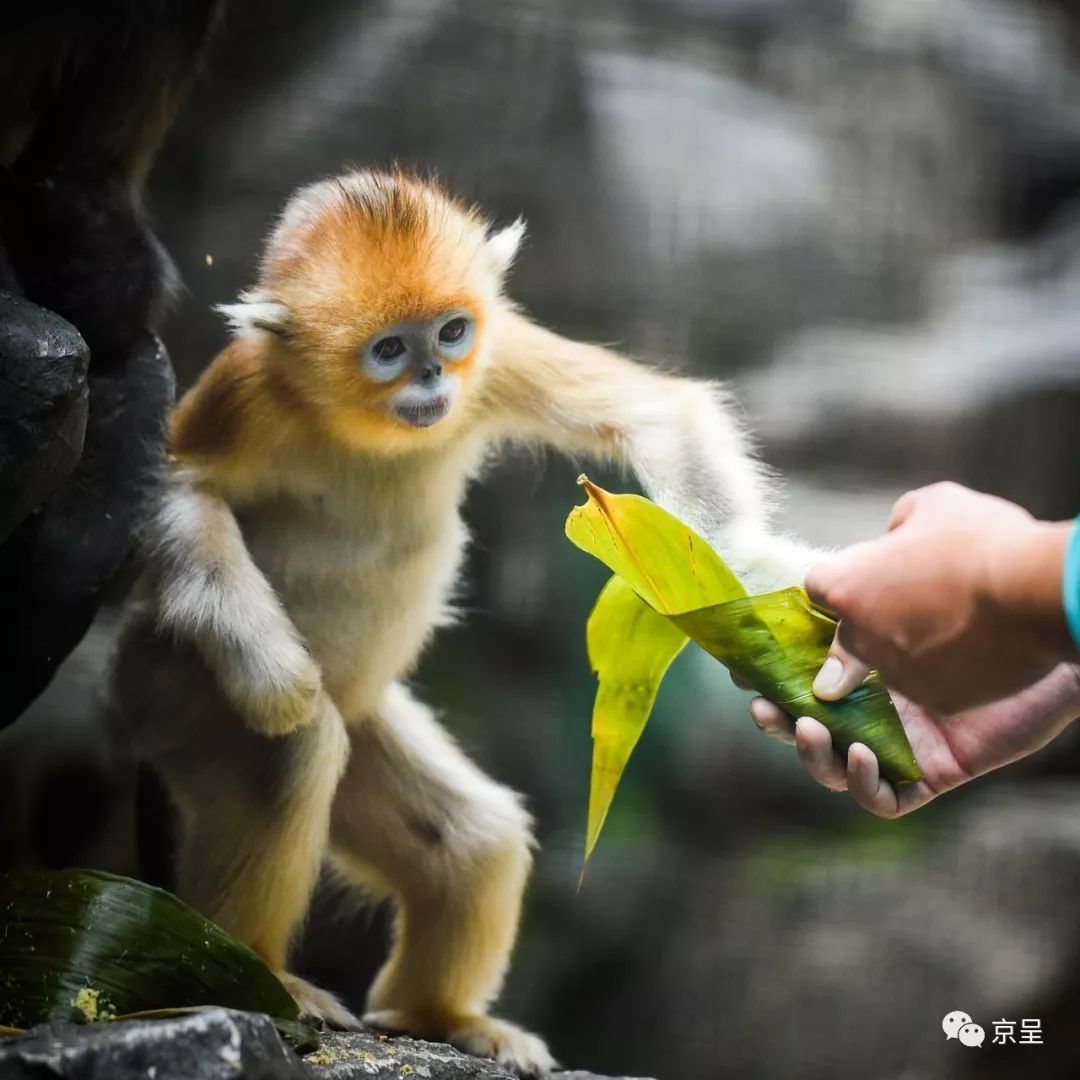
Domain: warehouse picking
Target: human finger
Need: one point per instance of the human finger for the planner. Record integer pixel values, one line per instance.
(772, 720)
(865, 784)
(814, 744)
(878, 796)
(841, 672)
(903, 508)
(833, 583)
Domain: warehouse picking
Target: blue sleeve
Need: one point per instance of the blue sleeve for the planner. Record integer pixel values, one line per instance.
(1070, 584)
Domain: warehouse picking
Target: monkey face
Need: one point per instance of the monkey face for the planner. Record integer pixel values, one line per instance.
(378, 287)
(398, 384)
(424, 362)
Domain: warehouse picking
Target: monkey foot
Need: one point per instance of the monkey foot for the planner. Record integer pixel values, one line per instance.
(482, 1036)
(319, 1004)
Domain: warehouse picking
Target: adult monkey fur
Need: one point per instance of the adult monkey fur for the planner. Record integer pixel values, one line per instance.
(306, 547)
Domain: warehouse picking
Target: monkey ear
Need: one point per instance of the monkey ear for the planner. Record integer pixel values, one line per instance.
(256, 311)
(504, 244)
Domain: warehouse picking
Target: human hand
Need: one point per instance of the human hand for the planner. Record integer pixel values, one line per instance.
(950, 750)
(957, 605)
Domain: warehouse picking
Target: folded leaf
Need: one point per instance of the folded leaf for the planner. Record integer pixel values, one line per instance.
(84, 945)
(775, 642)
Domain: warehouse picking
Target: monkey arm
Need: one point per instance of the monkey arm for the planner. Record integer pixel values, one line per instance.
(679, 435)
(210, 594)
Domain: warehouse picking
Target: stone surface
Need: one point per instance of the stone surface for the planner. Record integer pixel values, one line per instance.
(223, 1045)
(43, 405)
(206, 1046)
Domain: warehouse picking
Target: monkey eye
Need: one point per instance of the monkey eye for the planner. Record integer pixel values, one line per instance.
(452, 331)
(388, 348)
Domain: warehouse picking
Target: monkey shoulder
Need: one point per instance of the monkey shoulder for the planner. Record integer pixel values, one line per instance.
(214, 421)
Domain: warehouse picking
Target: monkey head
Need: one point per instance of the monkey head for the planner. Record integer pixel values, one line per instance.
(374, 297)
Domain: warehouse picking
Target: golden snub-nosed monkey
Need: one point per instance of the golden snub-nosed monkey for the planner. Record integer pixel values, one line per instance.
(304, 549)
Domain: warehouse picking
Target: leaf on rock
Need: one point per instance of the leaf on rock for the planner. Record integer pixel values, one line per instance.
(84, 945)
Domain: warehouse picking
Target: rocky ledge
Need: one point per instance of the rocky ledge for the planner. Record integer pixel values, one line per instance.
(220, 1044)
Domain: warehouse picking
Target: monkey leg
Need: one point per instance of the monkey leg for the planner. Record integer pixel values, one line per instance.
(254, 811)
(415, 818)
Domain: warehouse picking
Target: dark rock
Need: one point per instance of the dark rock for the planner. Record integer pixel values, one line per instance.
(223, 1045)
(57, 566)
(216, 1045)
(43, 405)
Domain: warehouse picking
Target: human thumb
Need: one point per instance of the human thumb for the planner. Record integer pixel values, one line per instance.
(840, 674)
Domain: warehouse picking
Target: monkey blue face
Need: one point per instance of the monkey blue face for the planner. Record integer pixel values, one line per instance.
(425, 360)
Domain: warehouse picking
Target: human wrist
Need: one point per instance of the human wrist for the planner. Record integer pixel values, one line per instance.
(1072, 676)
(1053, 703)
(1023, 585)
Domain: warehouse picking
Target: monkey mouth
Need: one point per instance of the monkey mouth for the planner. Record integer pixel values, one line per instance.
(424, 414)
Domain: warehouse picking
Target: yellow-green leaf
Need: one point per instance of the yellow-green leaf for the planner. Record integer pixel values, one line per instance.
(668, 576)
(630, 648)
(664, 561)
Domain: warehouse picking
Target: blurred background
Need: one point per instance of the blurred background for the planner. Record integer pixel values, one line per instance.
(863, 215)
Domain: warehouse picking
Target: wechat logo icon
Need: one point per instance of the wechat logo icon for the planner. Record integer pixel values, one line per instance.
(958, 1025)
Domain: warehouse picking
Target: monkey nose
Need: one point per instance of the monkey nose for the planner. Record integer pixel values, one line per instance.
(431, 370)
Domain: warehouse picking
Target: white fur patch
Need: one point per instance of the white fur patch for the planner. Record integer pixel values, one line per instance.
(413, 396)
(211, 593)
(255, 311)
(504, 244)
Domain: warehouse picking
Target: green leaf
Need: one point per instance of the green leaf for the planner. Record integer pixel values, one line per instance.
(668, 576)
(83, 945)
(630, 649)
(776, 642)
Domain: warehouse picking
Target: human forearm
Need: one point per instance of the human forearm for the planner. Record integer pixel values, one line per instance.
(1024, 580)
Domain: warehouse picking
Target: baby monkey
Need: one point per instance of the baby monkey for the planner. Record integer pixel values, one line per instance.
(305, 548)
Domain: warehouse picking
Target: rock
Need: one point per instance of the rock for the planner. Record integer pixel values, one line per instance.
(215, 1045)
(58, 564)
(351, 1055)
(220, 1044)
(986, 380)
(43, 405)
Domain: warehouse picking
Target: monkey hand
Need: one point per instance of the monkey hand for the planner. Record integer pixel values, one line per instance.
(276, 692)
(766, 562)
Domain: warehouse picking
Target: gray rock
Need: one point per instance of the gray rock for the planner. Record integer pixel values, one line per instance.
(220, 1044)
(213, 1045)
